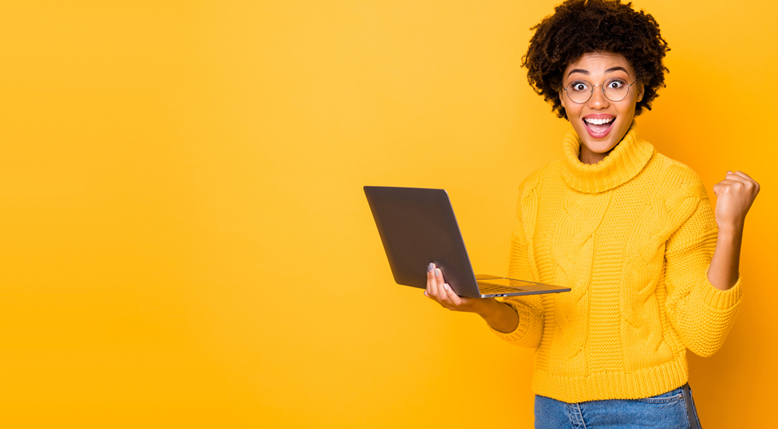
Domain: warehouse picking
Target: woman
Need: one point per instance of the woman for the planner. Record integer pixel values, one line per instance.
(653, 270)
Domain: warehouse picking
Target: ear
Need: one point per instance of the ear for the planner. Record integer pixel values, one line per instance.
(562, 98)
(641, 92)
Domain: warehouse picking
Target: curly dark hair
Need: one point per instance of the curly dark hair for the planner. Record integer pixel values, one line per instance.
(578, 27)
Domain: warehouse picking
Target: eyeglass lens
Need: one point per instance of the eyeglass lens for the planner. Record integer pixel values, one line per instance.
(580, 91)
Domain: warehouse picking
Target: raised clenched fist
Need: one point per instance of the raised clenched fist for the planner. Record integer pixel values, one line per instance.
(734, 194)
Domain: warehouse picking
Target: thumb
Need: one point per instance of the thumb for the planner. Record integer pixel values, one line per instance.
(718, 188)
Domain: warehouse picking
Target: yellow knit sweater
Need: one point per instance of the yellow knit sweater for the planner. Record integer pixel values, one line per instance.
(633, 237)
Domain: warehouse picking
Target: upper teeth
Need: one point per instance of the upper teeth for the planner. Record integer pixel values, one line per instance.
(598, 121)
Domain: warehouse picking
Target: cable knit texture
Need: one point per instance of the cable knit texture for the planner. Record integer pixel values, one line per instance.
(633, 237)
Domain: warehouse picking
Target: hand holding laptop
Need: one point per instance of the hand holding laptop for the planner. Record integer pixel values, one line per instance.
(438, 290)
(498, 315)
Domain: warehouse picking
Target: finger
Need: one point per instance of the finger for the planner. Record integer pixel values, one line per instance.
(718, 188)
(431, 286)
(749, 183)
(732, 177)
(441, 293)
(743, 175)
(744, 179)
(725, 185)
(445, 295)
(740, 178)
(452, 296)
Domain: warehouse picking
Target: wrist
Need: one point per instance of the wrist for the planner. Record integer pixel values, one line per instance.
(487, 307)
(730, 229)
(500, 316)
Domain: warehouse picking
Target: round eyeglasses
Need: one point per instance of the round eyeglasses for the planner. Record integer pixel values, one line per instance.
(614, 89)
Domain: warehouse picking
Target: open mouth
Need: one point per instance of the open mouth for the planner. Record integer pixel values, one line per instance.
(599, 127)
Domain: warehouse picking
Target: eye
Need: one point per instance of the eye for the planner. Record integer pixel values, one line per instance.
(579, 86)
(616, 84)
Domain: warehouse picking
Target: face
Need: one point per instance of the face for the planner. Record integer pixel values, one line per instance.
(599, 122)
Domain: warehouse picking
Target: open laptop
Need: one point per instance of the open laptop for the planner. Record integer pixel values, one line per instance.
(417, 226)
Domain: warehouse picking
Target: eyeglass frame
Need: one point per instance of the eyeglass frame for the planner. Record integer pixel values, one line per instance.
(602, 87)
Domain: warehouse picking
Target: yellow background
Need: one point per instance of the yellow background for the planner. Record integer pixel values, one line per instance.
(185, 240)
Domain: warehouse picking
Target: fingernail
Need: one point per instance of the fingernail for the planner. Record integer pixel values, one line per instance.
(430, 267)
(425, 293)
(445, 286)
(437, 272)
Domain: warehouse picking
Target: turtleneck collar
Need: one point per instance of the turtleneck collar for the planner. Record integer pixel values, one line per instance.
(624, 162)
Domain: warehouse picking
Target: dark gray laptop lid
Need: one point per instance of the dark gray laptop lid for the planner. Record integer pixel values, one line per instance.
(417, 226)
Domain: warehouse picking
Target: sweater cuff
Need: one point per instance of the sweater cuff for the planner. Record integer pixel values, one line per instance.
(721, 299)
(521, 329)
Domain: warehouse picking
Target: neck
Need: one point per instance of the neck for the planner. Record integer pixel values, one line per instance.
(589, 157)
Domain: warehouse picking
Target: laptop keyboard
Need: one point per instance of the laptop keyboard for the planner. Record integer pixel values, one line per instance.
(489, 288)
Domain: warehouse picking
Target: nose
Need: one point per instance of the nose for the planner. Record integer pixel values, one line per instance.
(598, 99)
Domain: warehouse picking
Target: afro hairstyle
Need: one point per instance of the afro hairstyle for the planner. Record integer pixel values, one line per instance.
(578, 27)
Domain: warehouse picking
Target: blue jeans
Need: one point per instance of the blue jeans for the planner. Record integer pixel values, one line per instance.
(671, 410)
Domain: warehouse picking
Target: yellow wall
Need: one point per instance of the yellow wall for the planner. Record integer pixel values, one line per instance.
(185, 241)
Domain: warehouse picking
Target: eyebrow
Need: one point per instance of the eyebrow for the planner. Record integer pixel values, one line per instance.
(586, 72)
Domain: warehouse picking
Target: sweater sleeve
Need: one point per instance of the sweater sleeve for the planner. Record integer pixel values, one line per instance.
(529, 330)
(701, 314)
